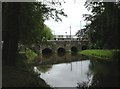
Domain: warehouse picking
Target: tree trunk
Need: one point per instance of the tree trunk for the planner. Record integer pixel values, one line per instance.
(11, 33)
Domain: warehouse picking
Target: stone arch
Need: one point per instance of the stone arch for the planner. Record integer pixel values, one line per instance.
(47, 51)
(74, 49)
(61, 50)
(84, 47)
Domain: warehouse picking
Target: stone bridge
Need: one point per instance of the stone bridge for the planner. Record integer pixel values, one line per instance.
(63, 45)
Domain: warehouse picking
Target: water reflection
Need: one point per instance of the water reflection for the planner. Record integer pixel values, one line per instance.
(72, 71)
(66, 74)
(105, 73)
(101, 74)
(57, 58)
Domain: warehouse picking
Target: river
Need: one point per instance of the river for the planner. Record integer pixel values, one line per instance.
(75, 71)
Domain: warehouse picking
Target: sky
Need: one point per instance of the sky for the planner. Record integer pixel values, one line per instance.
(74, 9)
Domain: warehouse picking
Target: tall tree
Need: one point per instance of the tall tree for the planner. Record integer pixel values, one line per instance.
(10, 31)
(47, 33)
(24, 23)
(104, 27)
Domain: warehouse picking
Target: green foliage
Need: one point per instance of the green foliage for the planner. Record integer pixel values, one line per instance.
(32, 17)
(44, 68)
(25, 57)
(23, 23)
(47, 33)
(104, 27)
(31, 22)
(30, 55)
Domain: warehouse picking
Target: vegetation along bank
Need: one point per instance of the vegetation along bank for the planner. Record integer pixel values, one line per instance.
(101, 53)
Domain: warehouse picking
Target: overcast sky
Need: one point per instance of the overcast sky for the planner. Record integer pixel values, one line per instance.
(74, 9)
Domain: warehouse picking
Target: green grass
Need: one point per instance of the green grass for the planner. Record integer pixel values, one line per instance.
(106, 54)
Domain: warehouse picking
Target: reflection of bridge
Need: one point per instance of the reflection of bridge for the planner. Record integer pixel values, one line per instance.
(62, 43)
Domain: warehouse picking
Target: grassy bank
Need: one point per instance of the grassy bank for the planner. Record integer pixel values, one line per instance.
(101, 54)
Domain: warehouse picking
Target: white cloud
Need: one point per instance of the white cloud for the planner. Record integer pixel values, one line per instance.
(74, 12)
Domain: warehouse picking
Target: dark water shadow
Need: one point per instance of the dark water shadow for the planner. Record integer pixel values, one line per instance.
(57, 58)
(74, 53)
(105, 74)
(47, 55)
(61, 54)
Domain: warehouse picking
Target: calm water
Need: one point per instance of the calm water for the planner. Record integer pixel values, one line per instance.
(71, 71)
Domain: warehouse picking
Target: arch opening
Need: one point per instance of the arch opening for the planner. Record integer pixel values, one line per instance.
(46, 52)
(61, 51)
(84, 47)
(74, 50)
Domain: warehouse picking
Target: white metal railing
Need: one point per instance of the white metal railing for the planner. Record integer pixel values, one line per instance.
(63, 36)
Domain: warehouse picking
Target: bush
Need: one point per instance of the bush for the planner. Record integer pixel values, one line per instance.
(30, 55)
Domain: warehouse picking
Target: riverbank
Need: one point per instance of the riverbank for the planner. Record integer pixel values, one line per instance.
(16, 77)
(22, 74)
(101, 53)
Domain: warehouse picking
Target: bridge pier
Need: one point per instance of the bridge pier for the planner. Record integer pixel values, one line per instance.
(40, 51)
